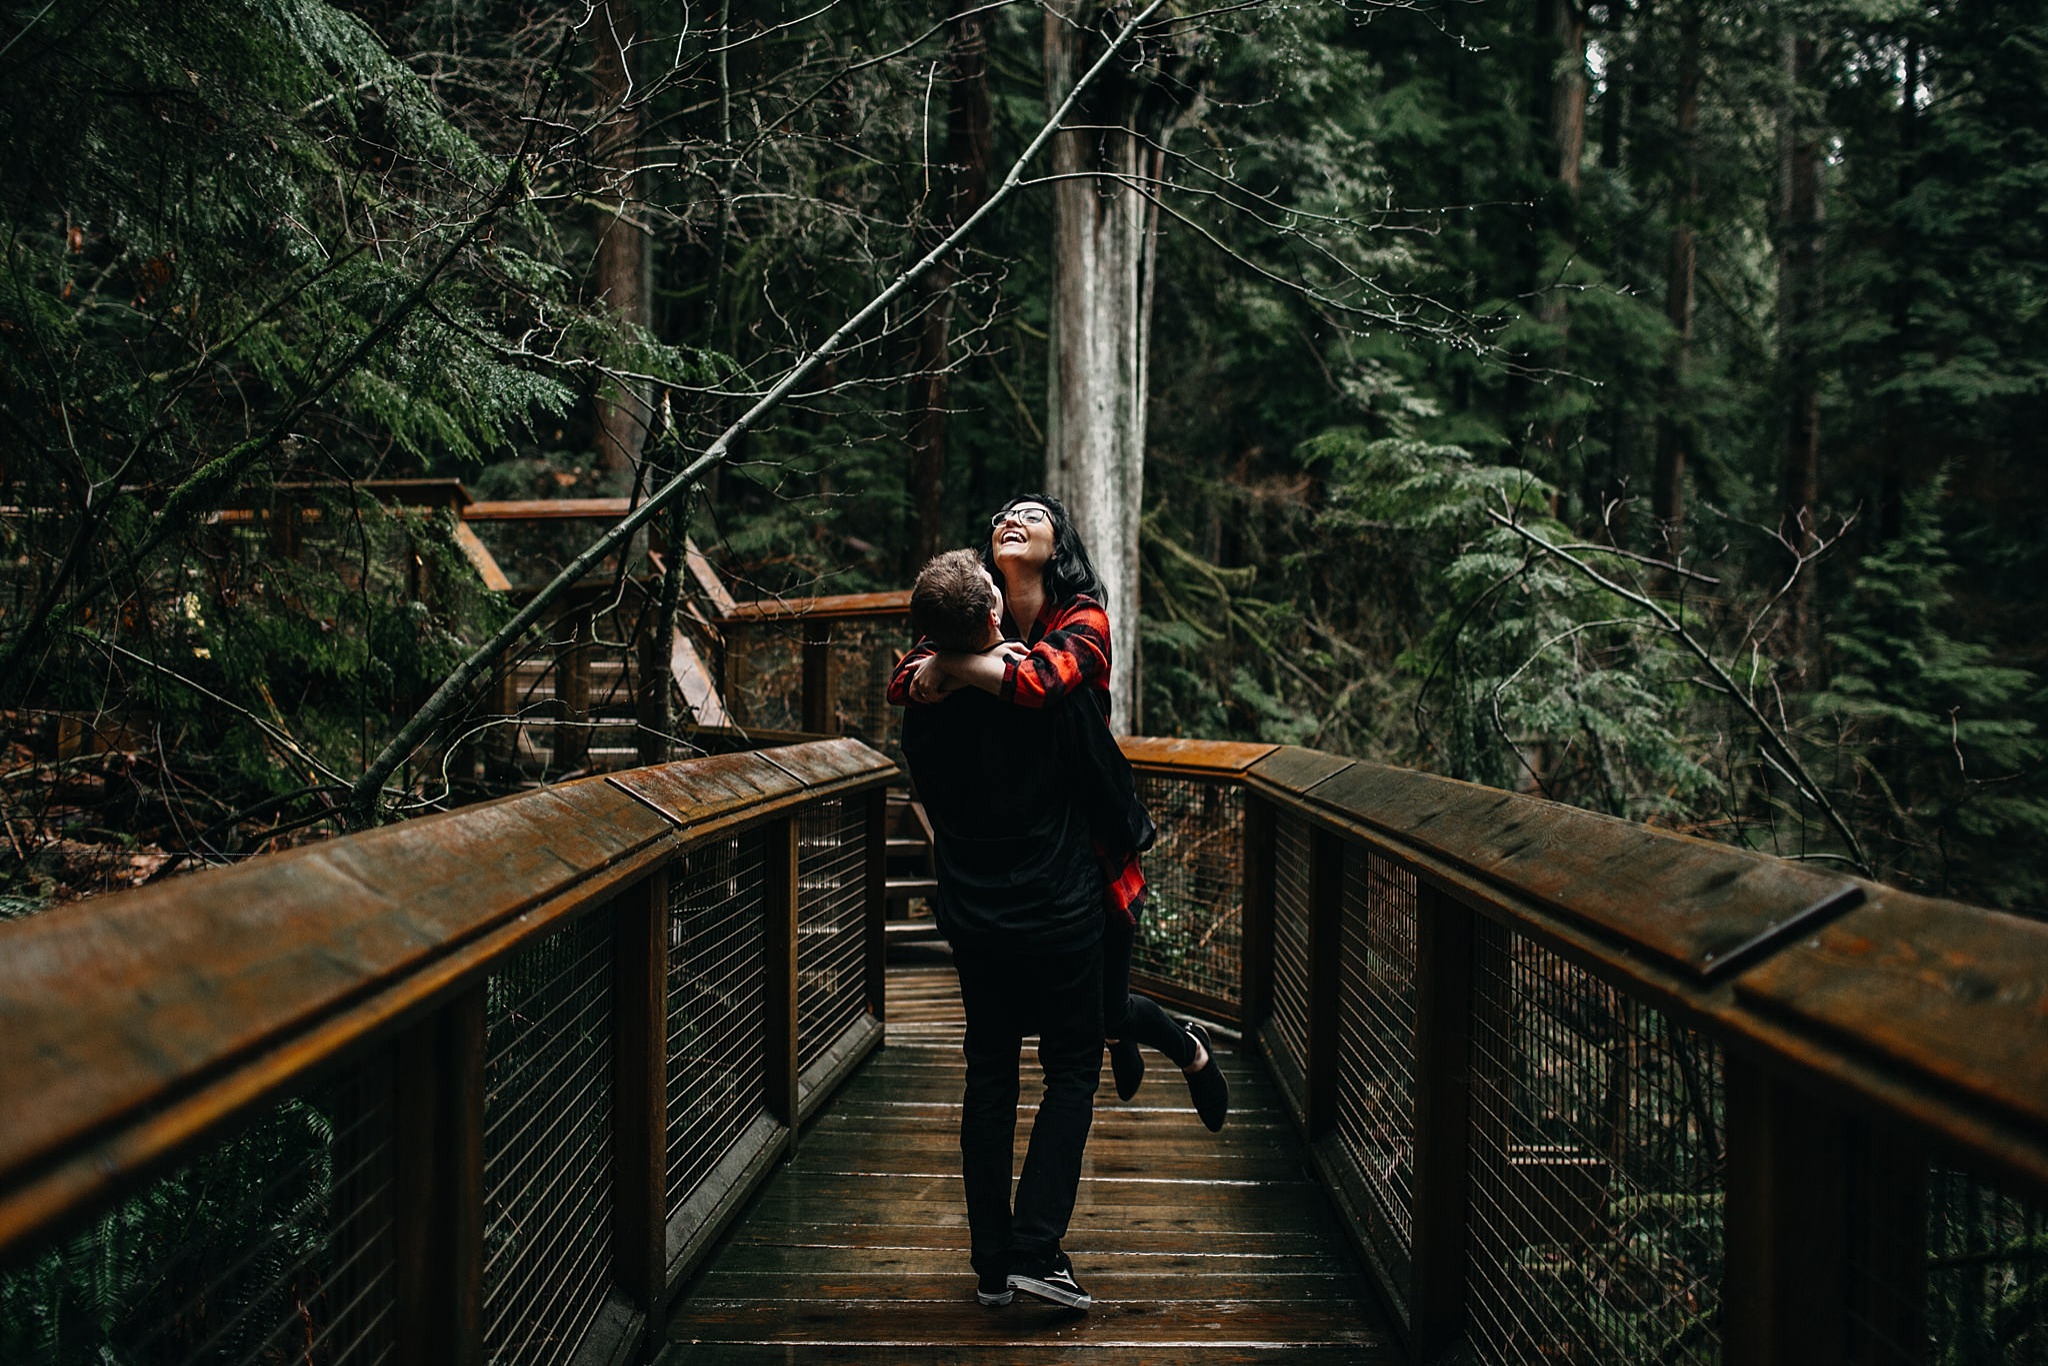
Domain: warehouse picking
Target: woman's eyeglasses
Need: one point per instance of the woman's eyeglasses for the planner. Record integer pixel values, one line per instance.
(1026, 516)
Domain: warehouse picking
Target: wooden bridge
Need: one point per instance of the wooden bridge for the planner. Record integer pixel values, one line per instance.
(620, 1067)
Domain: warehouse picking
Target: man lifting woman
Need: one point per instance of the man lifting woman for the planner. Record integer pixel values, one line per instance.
(1038, 834)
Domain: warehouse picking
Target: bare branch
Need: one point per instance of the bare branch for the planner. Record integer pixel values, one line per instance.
(1785, 759)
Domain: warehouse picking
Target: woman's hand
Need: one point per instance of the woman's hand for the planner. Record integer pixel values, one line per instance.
(938, 676)
(930, 682)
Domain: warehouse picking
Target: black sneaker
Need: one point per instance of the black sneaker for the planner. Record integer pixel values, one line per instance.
(1127, 1065)
(994, 1291)
(1052, 1279)
(1210, 1091)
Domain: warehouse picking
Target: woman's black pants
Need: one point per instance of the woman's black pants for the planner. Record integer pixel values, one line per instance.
(1129, 1016)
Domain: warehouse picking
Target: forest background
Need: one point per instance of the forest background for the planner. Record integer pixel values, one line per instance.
(1637, 403)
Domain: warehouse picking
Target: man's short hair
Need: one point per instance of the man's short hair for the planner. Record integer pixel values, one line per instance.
(950, 601)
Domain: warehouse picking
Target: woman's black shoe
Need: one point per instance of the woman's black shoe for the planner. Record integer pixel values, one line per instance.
(1127, 1065)
(1210, 1090)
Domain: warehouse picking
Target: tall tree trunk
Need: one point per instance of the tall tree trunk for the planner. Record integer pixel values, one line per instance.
(622, 248)
(966, 185)
(1891, 491)
(1100, 325)
(1568, 87)
(1565, 24)
(1674, 429)
(1799, 301)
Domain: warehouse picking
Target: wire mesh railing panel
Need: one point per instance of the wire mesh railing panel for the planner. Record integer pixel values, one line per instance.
(1193, 931)
(1987, 1273)
(1291, 915)
(276, 1245)
(864, 653)
(547, 1143)
(1597, 1137)
(716, 1031)
(831, 923)
(765, 677)
(1376, 1046)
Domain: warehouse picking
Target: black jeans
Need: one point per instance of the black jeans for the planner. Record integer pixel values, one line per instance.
(1126, 1015)
(1007, 995)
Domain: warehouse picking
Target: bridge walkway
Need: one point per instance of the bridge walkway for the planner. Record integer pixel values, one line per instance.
(1199, 1248)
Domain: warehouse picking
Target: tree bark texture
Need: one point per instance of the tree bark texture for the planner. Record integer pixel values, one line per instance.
(1799, 296)
(1564, 36)
(622, 247)
(1897, 420)
(1100, 326)
(1674, 430)
(1568, 88)
(966, 186)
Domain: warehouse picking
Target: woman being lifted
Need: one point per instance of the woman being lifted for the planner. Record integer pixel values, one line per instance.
(1057, 654)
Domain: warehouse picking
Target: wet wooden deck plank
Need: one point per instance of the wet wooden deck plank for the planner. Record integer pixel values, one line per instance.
(1204, 1249)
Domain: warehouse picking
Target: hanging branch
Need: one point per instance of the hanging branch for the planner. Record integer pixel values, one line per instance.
(1785, 758)
(364, 796)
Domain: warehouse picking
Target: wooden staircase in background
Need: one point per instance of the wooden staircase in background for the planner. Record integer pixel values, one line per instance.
(912, 877)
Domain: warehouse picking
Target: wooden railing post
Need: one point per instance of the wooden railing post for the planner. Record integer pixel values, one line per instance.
(1785, 1232)
(572, 691)
(875, 937)
(1255, 990)
(778, 948)
(640, 1070)
(1443, 1120)
(818, 702)
(1325, 977)
(1888, 1241)
(439, 1186)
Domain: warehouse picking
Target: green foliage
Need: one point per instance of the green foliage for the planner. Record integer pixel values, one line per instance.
(1947, 756)
(213, 1260)
(1536, 677)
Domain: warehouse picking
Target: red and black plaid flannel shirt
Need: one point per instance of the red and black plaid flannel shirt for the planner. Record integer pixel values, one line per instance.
(1069, 655)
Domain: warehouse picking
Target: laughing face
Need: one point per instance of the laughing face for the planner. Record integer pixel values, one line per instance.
(1020, 537)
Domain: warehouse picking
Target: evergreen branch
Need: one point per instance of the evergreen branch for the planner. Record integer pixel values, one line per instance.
(1786, 759)
(203, 488)
(368, 789)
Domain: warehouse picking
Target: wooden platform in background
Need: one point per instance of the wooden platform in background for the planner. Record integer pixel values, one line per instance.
(1199, 1248)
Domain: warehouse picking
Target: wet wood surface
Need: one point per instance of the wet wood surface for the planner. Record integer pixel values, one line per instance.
(1200, 1248)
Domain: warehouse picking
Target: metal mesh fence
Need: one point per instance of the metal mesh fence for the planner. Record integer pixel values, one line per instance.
(716, 1036)
(764, 677)
(831, 877)
(1596, 1168)
(1987, 1274)
(1291, 914)
(1376, 1047)
(1193, 933)
(547, 1143)
(274, 1246)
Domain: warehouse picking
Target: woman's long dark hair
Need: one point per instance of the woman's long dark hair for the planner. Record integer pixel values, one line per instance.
(1069, 573)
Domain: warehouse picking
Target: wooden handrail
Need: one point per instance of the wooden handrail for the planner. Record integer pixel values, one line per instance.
(1919, 1010)
(1174, 757)
(894, 603)
(135, 1025)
